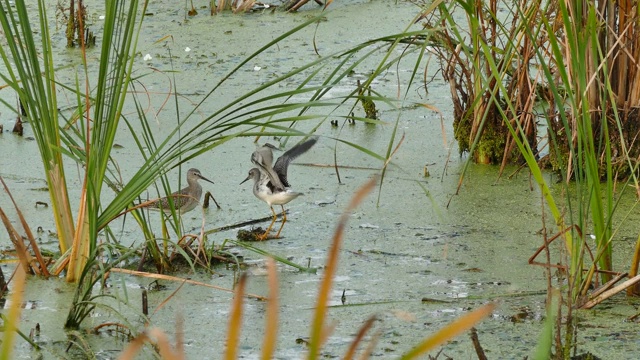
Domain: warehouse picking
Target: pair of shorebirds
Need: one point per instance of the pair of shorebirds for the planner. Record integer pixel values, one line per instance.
(270, 183)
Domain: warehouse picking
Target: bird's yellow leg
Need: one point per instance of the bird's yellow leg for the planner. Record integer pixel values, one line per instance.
(273, 221)
(284, 220)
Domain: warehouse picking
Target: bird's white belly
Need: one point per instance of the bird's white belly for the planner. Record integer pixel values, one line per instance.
(277, 198)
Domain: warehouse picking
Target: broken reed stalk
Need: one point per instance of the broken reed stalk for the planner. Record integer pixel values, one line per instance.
(607, 294)
(145, 303)
(476, 344)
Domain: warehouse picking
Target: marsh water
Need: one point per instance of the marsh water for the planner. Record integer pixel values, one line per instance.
(403, 245)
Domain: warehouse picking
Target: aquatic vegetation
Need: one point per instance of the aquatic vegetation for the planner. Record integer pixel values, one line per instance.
(368, 104)
(537, 55)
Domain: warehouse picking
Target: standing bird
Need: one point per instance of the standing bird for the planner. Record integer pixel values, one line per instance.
(186, 199)
(271, 185)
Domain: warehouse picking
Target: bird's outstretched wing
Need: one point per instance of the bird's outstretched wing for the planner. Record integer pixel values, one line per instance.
(282, 164)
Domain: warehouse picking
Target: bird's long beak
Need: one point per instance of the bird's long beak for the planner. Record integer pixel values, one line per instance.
(245, 180)
(205, 179)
